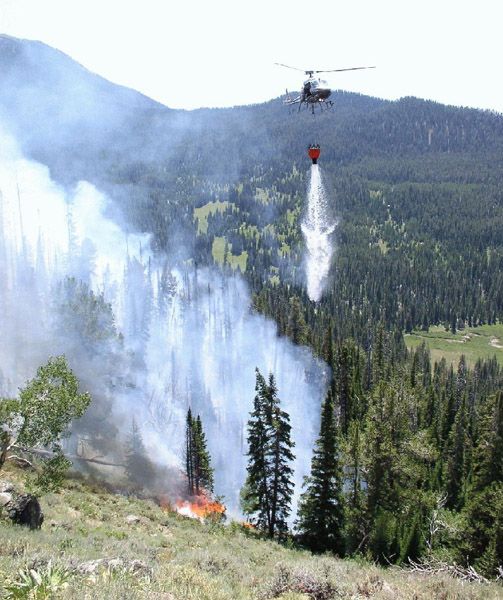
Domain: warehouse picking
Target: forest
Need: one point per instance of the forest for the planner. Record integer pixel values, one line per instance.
(408, 463)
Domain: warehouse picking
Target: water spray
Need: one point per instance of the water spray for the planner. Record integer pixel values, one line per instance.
(317, 227)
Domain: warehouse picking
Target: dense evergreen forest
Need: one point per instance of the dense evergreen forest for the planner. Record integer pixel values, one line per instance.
(420, 458)
(416, 188)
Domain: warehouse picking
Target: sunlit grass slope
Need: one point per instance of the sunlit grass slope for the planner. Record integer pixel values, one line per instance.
(188, 560)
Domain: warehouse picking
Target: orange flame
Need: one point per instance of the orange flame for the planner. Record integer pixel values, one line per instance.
(201, 508)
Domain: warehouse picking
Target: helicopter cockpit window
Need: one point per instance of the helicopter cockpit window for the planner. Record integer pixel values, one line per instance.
(314, 84)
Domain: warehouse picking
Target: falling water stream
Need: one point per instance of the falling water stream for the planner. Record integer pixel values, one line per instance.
(317, 227)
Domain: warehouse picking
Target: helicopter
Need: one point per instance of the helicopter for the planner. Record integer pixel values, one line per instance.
(315, 91)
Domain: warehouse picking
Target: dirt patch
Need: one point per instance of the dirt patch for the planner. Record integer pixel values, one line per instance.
(496, 343)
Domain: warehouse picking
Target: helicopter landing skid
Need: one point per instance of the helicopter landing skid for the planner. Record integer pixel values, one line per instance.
(324, 106)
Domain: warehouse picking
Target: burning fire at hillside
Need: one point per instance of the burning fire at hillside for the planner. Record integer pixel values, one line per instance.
(201, 508)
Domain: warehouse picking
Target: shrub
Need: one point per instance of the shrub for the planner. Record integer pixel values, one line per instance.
(37, 584)
(299, 581)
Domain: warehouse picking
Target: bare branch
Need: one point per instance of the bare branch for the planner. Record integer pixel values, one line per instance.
(433, 567)
(21, 462)
(48, 453)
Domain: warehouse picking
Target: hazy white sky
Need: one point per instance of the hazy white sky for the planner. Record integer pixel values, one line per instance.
(190, 53)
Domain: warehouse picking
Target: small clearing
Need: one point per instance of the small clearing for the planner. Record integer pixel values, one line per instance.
(483, 342)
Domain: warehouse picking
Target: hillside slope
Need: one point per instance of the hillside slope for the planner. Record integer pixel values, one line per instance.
(178, 558)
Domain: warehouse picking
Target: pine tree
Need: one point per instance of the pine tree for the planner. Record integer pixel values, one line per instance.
(355, 502)
(139, 467)
(198, 467)
(483, 537)
(379, 355)
(255, 498)
(412, 542)
(461, 380)
(448, 403)
(296, 328)
(343, 385)
(203, 470)
(279, 454)
(189, 452)
(488, 456)
(379, 450)
(489, 563)
(327, 349)
(268, 488)
(457, 455)
(321, 509)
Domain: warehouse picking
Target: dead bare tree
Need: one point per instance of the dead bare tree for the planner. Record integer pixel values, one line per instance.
(434, 567)
(435, 523)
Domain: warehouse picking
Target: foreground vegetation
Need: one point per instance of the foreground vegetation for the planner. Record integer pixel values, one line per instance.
(181, 559)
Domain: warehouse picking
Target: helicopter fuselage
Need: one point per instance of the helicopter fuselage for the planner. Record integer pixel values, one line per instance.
(315, 90)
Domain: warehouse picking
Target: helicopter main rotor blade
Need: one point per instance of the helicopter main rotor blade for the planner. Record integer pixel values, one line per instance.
(289, 67)
(340, 70)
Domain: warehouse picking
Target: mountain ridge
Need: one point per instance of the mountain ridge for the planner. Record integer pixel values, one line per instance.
(51, 73)
(426, 163)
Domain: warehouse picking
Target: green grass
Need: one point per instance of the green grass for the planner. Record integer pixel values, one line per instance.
(235, 261)
(201, 213)
(473, 342)
(187, 560)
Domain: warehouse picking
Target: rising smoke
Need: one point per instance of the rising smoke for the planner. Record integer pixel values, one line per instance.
(148, 336)
(317, 227)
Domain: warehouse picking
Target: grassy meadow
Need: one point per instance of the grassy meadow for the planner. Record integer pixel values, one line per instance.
(484, 341)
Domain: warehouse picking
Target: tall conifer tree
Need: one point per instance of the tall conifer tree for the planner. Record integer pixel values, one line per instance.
(268, 489)
(189, 452)
(279, 455)
(457, 455)
(321, 511)
(139, 468)
(197, 458)
(488, 456)
(255, 492)
(203, 471)
(355, 503)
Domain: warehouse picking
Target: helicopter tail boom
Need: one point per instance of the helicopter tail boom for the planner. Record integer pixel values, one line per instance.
(289, 100)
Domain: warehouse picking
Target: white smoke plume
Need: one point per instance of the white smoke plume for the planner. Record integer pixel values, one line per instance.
(148, 337)
(317, 227)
